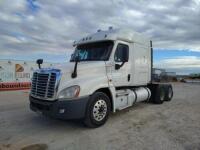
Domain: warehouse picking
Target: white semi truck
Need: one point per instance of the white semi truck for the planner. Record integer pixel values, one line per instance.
(108, 71)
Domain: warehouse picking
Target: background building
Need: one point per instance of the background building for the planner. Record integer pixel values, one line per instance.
(16, 74)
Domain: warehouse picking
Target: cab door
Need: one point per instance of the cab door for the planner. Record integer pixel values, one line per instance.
(121, 65)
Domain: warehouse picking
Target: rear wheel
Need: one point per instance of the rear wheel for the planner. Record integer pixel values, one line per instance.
(98, 110)
(160, 94)
(169, 93)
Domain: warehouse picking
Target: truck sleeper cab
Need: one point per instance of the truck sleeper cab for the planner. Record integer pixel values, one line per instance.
(108, 71)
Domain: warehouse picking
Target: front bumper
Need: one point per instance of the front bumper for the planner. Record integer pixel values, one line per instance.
(73, 109)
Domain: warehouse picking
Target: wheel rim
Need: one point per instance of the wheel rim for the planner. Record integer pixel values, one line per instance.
(170, 93)
(99, 110)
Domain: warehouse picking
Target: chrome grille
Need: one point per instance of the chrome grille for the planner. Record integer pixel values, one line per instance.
(43, 85)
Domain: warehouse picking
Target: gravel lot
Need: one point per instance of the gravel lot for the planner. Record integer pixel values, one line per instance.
(172, 125)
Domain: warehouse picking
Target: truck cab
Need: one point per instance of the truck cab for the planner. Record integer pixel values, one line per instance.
(108, 71)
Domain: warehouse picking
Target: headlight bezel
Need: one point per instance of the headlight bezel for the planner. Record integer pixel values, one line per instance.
(69, 92)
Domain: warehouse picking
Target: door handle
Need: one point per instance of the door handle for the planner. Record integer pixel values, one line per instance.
(129, 77)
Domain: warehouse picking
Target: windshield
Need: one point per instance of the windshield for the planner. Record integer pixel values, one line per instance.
(98, 51)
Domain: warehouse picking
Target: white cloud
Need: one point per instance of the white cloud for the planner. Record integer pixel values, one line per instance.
(157, 7)
(133, 13)
(179, 62)
(55, 24)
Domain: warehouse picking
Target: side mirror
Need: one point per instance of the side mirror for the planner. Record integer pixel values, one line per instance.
(74, 73)
(39, 62)
(117, 66)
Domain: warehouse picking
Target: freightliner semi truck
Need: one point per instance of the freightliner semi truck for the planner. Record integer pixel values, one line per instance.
(108, 71)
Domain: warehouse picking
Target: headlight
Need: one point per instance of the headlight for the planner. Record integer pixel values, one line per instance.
(70, 92)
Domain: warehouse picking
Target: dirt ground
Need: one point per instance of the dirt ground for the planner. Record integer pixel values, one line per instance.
(172, 125)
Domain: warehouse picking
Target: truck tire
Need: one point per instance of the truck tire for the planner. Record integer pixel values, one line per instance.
(98, 110)
(169, 93)
(160, 94)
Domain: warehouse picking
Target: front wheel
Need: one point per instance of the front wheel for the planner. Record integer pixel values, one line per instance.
(98, 110)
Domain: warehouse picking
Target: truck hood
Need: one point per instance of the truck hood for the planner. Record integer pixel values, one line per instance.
(86, 72)
(81, 67)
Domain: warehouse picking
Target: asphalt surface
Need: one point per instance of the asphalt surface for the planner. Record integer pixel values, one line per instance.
(172, 125)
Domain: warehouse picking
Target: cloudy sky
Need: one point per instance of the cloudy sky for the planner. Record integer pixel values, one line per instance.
(31, 29)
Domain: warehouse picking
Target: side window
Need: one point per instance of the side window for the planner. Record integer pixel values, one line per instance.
(121, 53)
